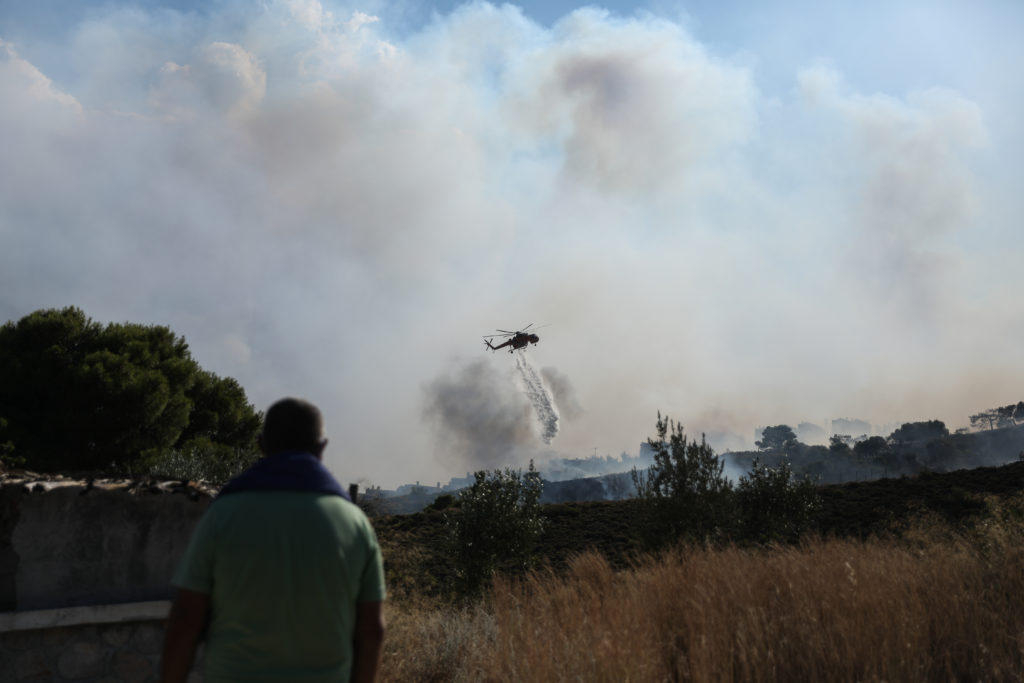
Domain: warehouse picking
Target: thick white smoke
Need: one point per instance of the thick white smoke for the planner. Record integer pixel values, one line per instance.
(337, 205)
(539, 395)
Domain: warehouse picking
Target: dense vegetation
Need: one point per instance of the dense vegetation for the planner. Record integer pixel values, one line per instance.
(916, 578)
(419, 563)
(79, 396)
(682, 498)
(685, 495)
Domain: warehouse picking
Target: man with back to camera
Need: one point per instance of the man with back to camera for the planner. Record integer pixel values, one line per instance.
(282, 571)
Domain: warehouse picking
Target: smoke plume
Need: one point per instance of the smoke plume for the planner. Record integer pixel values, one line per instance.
(482, 420)
(722, 226)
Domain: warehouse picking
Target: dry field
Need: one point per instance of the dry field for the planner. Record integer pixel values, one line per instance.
(934, 604)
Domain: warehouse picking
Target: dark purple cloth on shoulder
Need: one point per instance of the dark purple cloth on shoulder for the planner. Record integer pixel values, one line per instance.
(288, 471)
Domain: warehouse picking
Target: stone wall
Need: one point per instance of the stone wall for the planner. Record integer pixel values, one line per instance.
(113, 644)
(66, 542)
(85, 574)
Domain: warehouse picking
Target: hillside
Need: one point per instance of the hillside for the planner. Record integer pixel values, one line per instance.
(914, 448)
(417, 566)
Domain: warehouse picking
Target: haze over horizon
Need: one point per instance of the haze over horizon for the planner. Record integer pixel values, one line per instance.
(734, 216)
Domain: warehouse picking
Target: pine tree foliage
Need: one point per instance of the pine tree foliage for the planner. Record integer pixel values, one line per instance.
(685, 490)
(80, 396)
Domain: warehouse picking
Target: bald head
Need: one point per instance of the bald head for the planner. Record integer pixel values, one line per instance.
(292, 424)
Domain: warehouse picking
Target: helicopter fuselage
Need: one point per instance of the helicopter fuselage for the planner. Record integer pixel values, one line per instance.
(517, 341)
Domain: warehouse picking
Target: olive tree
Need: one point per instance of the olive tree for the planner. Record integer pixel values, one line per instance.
(495, 523)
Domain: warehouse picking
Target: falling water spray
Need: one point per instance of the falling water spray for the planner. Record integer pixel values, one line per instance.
(539, 395)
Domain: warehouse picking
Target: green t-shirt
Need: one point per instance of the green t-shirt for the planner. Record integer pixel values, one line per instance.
(284, 571)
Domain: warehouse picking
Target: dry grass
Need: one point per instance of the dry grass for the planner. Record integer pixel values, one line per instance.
(933, 606)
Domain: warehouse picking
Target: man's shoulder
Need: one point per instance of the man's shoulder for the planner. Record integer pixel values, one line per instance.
(317, 518)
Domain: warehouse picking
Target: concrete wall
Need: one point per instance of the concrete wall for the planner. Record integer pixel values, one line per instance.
(85, 572)
(113, 644)
(67, 543)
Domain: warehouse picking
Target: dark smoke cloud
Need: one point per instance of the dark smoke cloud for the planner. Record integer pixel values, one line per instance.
(483, 421)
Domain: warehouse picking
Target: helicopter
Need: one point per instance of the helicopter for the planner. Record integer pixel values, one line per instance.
(514, 340)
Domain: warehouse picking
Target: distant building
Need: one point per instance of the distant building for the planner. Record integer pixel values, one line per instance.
(852, 428)
(417, 489)
(725, 441)
(887, 428)
(456, 483)
(810, 433)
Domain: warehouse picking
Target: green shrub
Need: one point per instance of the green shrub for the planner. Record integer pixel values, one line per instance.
(773, 506)
(442, 502)
(495, 525)
(202, 460)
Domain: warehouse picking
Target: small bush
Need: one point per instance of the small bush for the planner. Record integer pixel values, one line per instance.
(496, 524)
(773, 506)
(442, 502)
(201, 461)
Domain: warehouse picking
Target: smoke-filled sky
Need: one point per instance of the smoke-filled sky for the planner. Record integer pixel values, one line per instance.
(734, 216)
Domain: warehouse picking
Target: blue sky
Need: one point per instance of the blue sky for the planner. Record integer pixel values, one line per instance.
(738, 214)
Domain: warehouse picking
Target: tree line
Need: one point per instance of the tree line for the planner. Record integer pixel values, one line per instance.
(913, 447)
